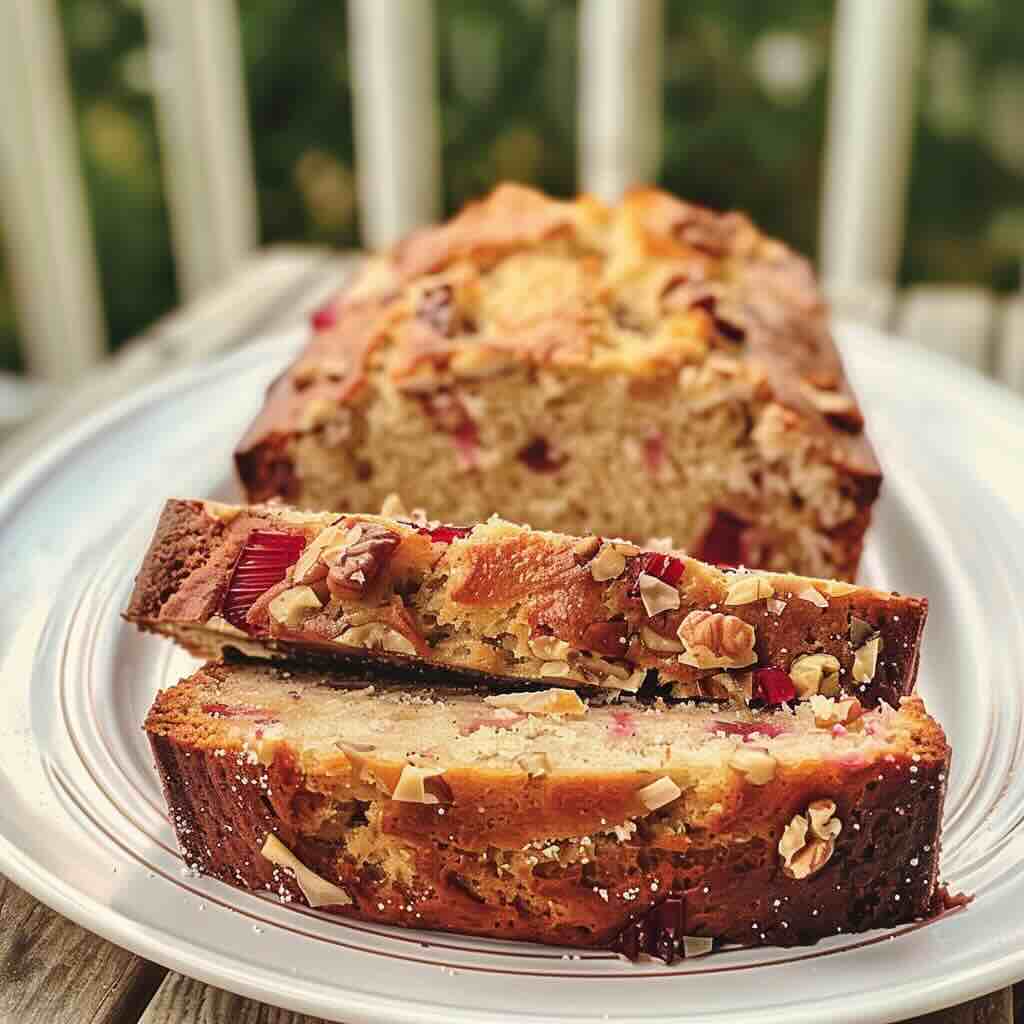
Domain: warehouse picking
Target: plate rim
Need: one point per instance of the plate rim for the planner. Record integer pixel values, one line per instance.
(213, 967)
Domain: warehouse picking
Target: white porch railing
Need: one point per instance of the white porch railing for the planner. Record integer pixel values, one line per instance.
(209, 178)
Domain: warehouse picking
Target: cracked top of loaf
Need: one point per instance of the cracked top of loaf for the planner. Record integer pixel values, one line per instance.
(643, 289)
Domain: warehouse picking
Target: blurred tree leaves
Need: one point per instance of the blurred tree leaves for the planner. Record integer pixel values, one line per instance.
(745, 106)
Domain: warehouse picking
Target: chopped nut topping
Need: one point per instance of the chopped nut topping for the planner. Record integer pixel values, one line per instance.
(584, 550)
(654, 641)
(549, 648)
(775, 606)
(608, 565)
(543, 702)
(716, 640)
(374, 635)
(318, 891)
(555, 670)
(859, 631)
(221, 512)
(865, 660)
(757, 765)
(605, 673)
(659, 793)
(410, 788)
(815, 673)
(393, 507)
(813, 596)
(738, 688)
(657, 595)
(356, 564)
(748, 589)
(837, 588)
(828, 711)
(291, 606)
(309, 568)
(805, 854)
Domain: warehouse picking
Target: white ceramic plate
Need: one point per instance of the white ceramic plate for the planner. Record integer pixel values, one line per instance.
(82, 823)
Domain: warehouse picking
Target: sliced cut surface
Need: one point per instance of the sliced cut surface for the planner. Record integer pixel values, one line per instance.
(502, 601)
(567, 821)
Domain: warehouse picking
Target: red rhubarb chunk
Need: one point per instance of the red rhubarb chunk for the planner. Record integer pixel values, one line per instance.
(539, 456)
(667, 568)
(262, 564)
(444, 534)
(773, 686)
(324, 318)
(746, 729)
(723, 543)
(259, 715)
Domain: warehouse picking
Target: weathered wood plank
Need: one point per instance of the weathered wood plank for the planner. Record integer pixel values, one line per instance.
(53, 972)
(996, 1008)
(1009, 361)
(181, 1000)
(956, 320)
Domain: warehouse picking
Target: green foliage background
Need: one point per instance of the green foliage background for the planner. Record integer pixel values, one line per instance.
(745, 104)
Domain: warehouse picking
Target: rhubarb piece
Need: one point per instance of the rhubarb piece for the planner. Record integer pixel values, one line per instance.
(264, 561)
(773, 686)
(503, 601)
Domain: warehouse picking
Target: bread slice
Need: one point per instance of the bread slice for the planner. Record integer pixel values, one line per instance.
(646, 369)
(506, 602)
(545, 818)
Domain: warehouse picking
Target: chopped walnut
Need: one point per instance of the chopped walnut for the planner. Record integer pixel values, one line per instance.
(716, 640)
(808, 842)
(748, 589)
(657, 595)
(865, 660)
(543, 702)
(609, 564)
(549, 648)
(375, 635)
(654, 641)
(411, 788)
(354, 565)
(815, 673)
(584, 550)
(757, 765)
(659, 793)
(813, 596)
(828, 711)
(738, 688)
(291, 606)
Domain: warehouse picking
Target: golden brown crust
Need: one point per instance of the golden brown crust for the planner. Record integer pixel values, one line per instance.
(562, 875)
(504, 601)
(643, 290)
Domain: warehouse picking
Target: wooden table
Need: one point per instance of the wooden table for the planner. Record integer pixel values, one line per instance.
(52, 971)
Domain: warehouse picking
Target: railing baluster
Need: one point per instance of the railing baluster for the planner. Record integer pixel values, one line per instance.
(42, 198)
(201, 113)
(397, 123)
(620, 94)
(869, 134)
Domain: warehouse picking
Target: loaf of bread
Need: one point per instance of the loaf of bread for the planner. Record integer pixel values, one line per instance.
(541, 817)
(647, 369)
(506, 602)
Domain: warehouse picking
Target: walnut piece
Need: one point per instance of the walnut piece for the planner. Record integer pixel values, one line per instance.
(716, 640)
(549, 648)
(355, 564)
(828, 711)
(757, 765)
(410, 788)
(654, 641)
(657, 595)
(748, 589)
(815, 673)
(375, 635)
(659, 793)
(865, 660)
(609, 564)
(542, 702)
(808, 842)
(585, 549)
(291, 606)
